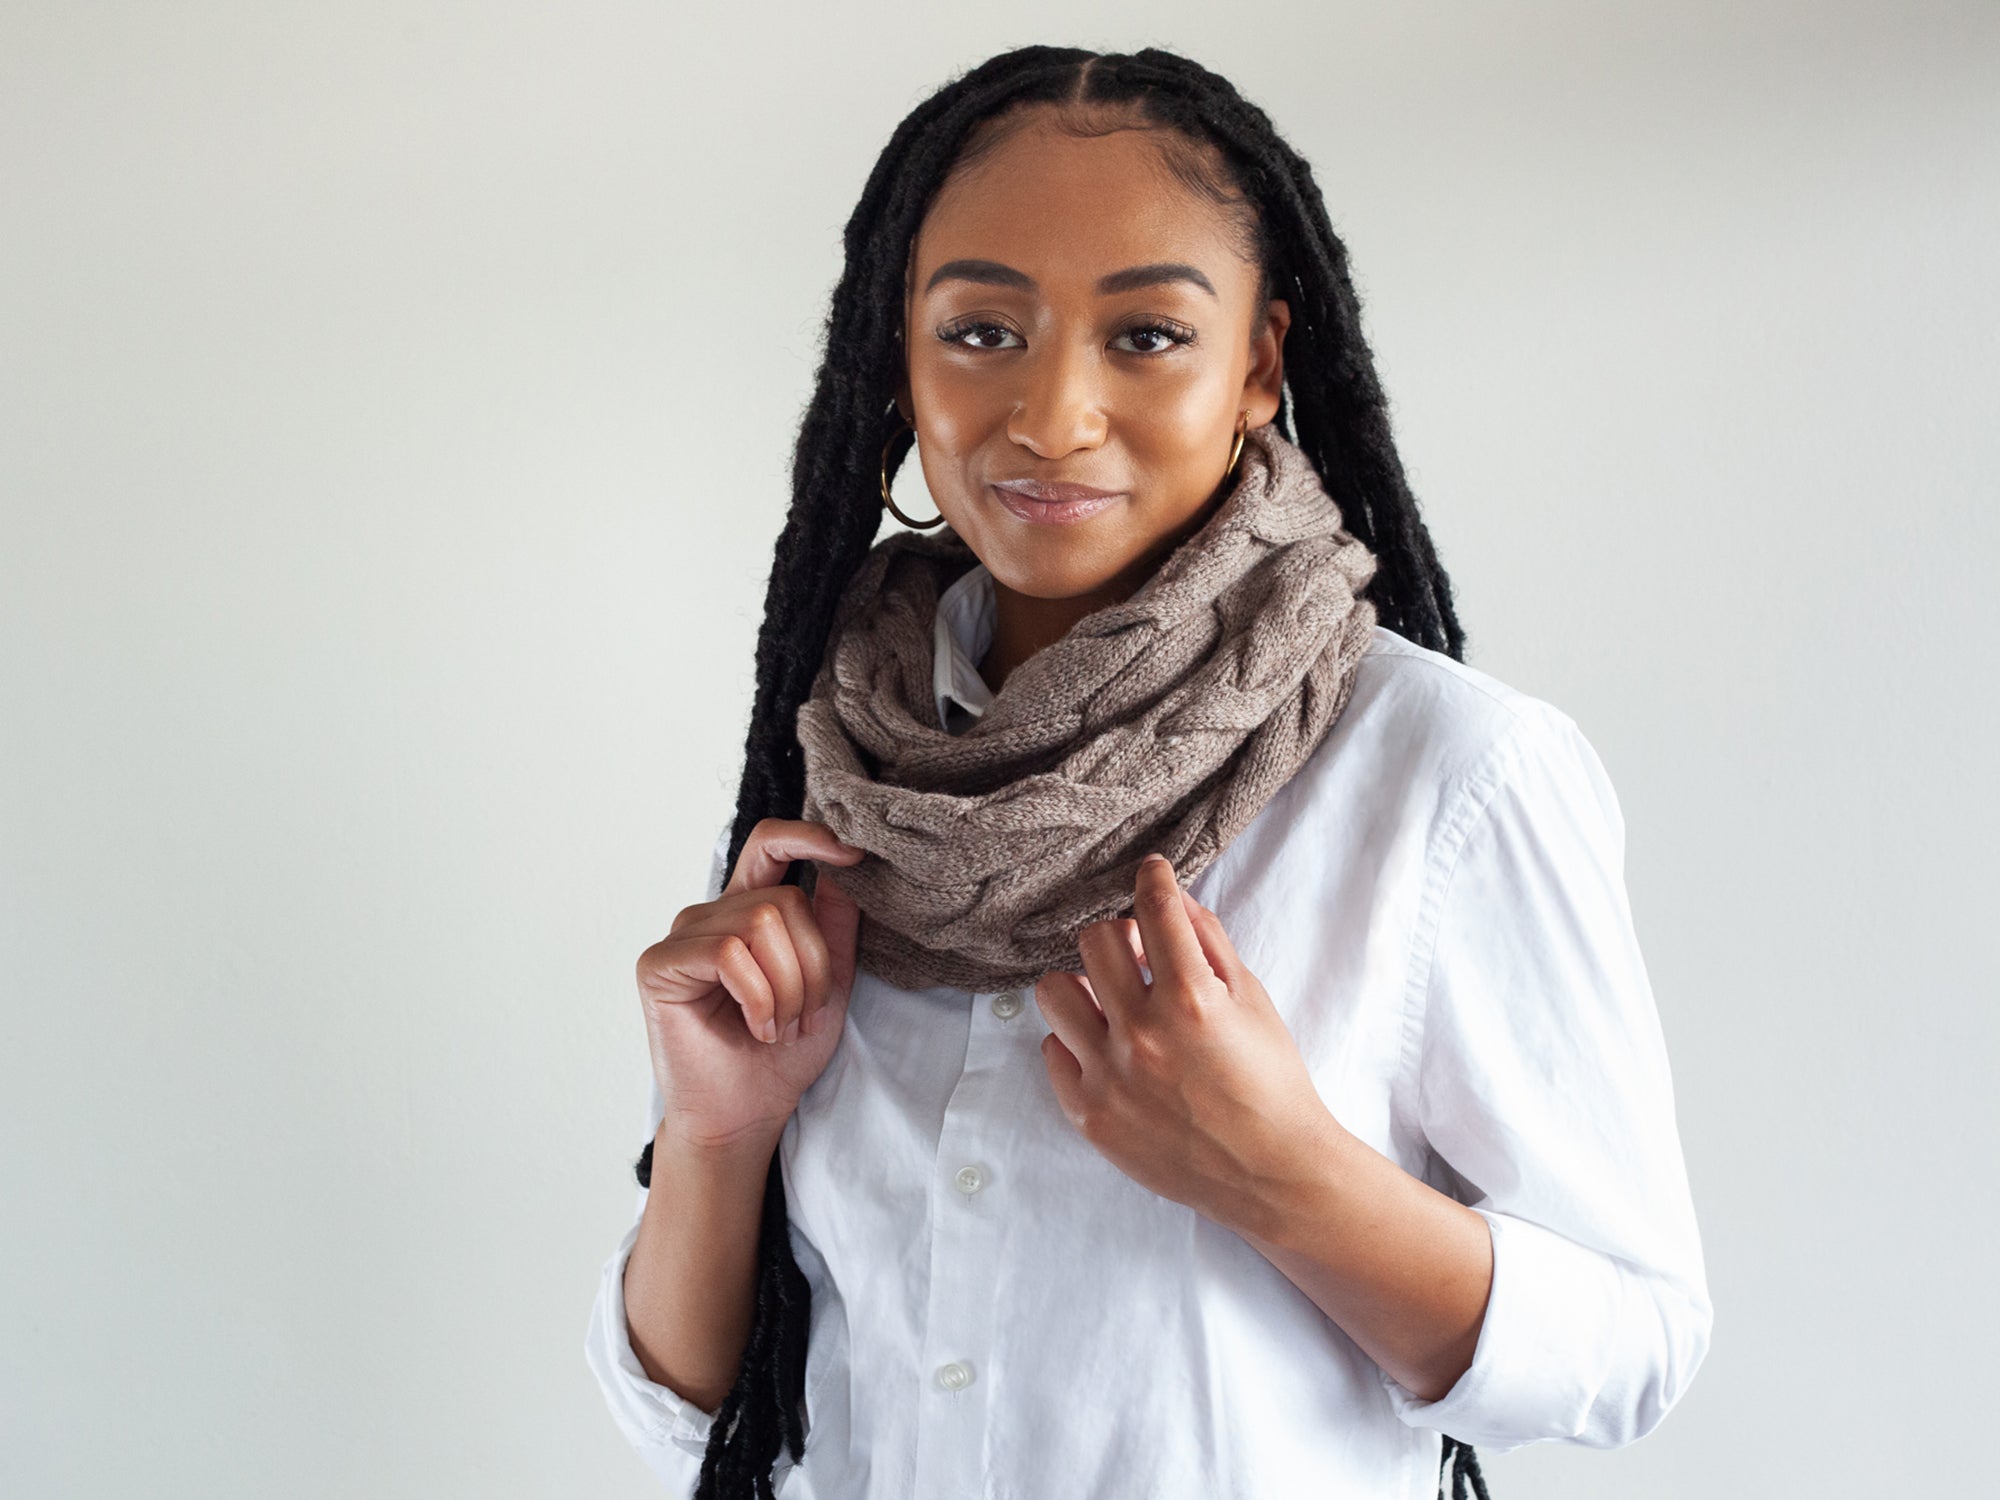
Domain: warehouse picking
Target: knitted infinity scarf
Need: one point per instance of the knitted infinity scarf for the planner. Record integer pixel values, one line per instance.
(1164, 722)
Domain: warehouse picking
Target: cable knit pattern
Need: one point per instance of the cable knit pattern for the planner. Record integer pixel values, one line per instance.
(1164, 722)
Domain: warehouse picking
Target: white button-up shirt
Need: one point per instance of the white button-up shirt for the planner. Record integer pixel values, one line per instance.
(1436, 904)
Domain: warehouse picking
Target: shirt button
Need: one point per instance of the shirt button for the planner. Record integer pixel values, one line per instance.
(969, 1180)
(954, 1376)
(1007, 1005)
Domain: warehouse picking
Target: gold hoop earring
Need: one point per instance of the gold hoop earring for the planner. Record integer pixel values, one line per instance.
(890, 504)
(1242, 427)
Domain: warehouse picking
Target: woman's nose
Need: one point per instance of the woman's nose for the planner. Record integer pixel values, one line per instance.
(1060, 408)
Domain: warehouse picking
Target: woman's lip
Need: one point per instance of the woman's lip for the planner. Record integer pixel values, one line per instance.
(1052, 512)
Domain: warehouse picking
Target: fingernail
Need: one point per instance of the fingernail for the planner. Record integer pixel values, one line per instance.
(791, 1031)
(771, 1029)
(816, 1022)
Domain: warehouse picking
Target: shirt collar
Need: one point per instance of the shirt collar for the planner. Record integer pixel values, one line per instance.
(963, 631)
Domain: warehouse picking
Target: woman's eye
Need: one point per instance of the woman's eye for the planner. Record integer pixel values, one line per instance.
(1158, 338)
(959, 333)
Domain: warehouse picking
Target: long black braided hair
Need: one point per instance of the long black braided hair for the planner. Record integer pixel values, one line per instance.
(1222, 146)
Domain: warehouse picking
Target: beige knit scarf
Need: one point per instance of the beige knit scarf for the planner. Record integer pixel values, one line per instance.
(1164, 722)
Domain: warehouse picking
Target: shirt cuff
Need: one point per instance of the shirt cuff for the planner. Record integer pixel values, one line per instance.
(1545, 1344)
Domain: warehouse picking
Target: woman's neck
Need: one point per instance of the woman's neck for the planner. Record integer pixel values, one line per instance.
(1024, 624)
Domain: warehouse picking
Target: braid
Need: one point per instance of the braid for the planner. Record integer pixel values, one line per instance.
(1465, 1471)
(1342, 421)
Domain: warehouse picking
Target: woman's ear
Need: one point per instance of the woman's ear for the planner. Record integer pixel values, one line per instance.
(1264, 385)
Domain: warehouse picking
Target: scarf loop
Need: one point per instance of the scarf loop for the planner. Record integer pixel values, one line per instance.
(1165, 722)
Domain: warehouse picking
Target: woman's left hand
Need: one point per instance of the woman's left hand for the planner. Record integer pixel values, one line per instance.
(1190, 1085)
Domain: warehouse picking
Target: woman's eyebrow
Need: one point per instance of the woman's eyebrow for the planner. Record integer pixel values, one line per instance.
(992, 273)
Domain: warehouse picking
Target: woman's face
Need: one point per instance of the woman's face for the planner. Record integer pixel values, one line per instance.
(1076, 316)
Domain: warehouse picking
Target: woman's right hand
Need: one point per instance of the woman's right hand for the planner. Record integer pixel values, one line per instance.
(761, 961)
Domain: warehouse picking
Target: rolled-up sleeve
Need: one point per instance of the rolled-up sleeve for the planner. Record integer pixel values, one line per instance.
(669, 1432)
(1543, 1091)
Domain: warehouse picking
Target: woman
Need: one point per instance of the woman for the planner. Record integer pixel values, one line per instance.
(1357, 1131)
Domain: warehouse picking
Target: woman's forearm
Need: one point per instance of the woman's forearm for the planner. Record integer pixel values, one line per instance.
(1404, 1270)
(690, 1283)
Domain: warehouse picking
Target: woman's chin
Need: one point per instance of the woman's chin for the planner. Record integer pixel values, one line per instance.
(1049, 578)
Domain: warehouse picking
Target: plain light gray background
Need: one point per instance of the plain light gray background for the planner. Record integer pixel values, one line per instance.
(396, 404)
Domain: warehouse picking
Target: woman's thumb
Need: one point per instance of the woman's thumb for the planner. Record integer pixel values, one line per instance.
(839, 921)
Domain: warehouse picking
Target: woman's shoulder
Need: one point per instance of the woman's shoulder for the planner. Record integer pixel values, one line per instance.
(1420, 717)
(1405, 676)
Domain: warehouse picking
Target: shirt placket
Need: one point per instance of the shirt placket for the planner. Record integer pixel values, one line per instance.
(969, 1193)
